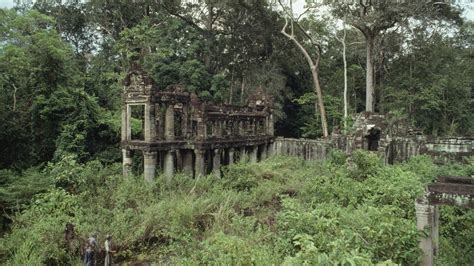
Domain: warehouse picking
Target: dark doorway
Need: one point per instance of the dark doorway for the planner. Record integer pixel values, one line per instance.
(373, 139)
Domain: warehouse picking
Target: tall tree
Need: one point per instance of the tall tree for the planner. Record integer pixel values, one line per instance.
(313, 64)
(372, 17)
(342, 40)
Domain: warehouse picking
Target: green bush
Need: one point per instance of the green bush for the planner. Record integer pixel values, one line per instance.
(223, 249)
(364, 163)
(37, 235)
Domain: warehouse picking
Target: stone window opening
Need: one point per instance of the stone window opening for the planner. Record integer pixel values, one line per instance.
(209, 127)
(178, 129)
(137, 121)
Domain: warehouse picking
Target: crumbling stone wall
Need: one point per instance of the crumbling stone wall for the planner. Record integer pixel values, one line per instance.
(397, 142)
(308, 149)
(453, 148)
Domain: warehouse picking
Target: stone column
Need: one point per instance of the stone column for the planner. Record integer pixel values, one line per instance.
(188, 162)
(240, 125)
(128, 127)
(270, 125)
(149, 165)
(425, 217)
(126, 162)
(161, 116)
(216, 163)
(253, 154)
(270, 149)
(168, 167)
(218, 129)
(214, 130)
(265, 126)
(201, 129)
(224, 128)
(254, 127)
(435, 231)
(200, 166)
(263, 155)
(124, 123)
(243, 155)
(231, 156)
(150, 128)
(169, 122)
(185, 122)
(278, 144)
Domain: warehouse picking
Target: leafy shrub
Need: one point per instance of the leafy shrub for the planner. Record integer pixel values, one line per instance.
(337, 157)
(37, 234)
(456, 236)
(376, 232)
(240, 177)
(223, 249)
(364, 163)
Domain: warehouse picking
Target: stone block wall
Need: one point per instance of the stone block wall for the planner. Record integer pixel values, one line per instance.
(449, 148)
(307, 149)
(395, 150)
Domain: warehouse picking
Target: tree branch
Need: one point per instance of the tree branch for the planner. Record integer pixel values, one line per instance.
(185, 19)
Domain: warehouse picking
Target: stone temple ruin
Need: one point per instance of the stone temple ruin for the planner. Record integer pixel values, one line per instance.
(182, 133)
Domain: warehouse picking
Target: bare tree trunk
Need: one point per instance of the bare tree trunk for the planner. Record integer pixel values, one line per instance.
(343, 41)
(314, 71)
(209, 28)
(369, 92)
(381, 82)
(344, 59)
(410, 109)
(322, 110)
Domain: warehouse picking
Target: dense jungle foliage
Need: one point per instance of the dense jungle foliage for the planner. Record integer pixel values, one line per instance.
(280, 211)
(61, 68)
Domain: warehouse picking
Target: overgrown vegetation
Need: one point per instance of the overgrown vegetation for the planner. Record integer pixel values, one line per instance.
(61, 66)
(281, 211)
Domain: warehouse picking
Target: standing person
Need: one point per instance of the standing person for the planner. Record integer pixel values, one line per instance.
(108, 251)
(91, 248)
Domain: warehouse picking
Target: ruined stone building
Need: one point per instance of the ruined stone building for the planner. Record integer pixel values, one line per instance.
(446, 190)
(182, 133)
(390, 137)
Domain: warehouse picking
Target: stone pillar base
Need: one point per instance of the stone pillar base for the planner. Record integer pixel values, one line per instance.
(149, 165)
(253, 154)
(126, 162)
(231, 156)
(216, 163)
(169, 165)
(187, 162)
(200, 163)
(264, 154)
(426, 219)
